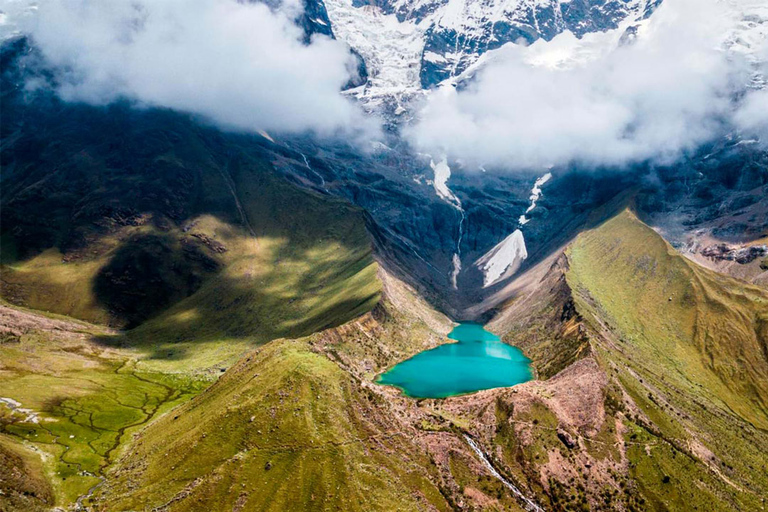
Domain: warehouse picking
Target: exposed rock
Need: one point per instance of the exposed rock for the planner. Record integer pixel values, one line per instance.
(566, 438)
(739, 254)
(210, 243)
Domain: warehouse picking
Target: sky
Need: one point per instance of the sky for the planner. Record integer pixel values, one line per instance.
(238, 64)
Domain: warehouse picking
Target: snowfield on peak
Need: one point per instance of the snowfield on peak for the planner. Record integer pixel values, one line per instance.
(412, 45)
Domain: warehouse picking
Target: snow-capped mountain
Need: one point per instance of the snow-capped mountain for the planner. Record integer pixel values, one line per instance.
(459, 238)
(411, 45)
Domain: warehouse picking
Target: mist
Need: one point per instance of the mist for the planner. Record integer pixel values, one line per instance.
(601, 101)
(237, 64)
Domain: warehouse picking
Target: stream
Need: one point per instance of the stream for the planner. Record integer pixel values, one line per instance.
(528, 504)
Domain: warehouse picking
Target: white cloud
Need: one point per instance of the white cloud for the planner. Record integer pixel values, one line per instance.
(752, 115)
(238, 64)
(665, 94)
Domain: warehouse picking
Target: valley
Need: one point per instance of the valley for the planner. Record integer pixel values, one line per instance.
(200, 316)
(580, 436)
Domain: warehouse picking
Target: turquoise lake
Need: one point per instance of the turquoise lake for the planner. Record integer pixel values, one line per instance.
(480, 360)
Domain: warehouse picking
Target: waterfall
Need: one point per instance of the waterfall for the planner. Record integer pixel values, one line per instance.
(528, 503)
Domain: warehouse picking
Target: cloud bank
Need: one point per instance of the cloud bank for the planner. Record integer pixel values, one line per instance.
(568, 101)
(238, 64)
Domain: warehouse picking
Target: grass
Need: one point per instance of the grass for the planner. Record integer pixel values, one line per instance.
(482, 492)
(193, 243)
(689, 350)
(310, 269)
(145, 220)
(46, 283)
(257, 259)
(94, 388)
(284, 429)
(677, 401)
(291, 427)
(197, 247)
(699, 326)
(23, 483)
(89, 400)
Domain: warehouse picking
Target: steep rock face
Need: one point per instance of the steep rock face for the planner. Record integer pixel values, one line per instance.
(314, 20)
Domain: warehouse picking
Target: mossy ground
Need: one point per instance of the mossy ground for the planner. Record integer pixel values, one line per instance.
(87, 400)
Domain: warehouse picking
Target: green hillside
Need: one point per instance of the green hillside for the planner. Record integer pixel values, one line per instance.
(665, 407)
(702, 330)
(690, 349)
(189, 242)
(23, 484)
(284, 429)
(144, 220)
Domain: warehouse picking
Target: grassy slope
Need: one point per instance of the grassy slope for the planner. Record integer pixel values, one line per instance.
(699, 326)
(544, 323)
(298, 425)
(23, 484)
(665, 410)
(308, 267)
(284, 429)
(401, 325)
(689, 347)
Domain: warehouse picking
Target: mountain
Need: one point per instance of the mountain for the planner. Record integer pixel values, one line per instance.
(412, 45)
(195, 319)
(668, 361)
(642, 403)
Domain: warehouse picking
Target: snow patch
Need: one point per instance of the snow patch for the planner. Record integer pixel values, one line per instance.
(266, 136)
(391, 49)
(536, 190)
(442, 174)
(440, 183)
(456, 270)
(535, 195)
(503, 260)
(434, 57)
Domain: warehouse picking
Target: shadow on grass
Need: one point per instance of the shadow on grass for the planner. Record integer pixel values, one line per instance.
(79, 177)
